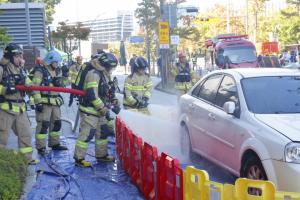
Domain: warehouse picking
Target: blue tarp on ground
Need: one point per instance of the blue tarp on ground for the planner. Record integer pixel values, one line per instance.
(59, 178)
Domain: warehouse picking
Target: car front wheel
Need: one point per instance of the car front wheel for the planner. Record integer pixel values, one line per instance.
(253, 169)
(185, 142)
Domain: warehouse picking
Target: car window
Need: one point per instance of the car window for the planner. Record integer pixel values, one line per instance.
(272, 95)
(195, 92)
(227, 92)
(209, 88)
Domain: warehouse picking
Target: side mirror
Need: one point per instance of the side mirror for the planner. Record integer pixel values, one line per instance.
(229, 107)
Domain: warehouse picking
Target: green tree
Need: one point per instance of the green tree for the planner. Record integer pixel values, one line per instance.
(287, 23)
(81, 33)
(49, 7)
(66, 36)
(4, 38)
(257, 9)
(148, 14)
(61, 35)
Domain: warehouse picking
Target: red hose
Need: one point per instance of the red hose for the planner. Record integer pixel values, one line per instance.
(52, 89)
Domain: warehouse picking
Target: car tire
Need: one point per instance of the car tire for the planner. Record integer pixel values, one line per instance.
(185, 142)
(253, 169)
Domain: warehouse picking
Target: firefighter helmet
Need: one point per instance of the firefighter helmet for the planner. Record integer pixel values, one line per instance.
(107, 60)
(140, 63)
(11, 50)
(53, 56)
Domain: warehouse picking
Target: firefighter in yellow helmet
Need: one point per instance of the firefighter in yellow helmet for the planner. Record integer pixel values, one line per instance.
(95, 79)
(138, 87)
(12, 105)
(184, 75)
(47, 104)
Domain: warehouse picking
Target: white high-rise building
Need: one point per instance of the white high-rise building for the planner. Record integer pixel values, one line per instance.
(110, 29)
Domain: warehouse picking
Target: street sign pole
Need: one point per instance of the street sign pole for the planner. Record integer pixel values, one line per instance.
(163, 50)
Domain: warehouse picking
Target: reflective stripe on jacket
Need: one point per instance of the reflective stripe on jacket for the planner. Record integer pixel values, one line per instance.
(137, 86)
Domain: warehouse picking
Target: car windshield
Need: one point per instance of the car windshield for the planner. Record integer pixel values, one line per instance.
(240, 54)
(272, 95)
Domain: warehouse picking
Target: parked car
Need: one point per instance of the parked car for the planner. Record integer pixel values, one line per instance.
(248, 122)
(292, 66)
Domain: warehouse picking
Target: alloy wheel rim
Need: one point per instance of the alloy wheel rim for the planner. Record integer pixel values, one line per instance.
(255, 173)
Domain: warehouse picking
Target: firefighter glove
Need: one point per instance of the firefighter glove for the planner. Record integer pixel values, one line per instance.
(11, 89)
(116, 109)
(39, 107)
(102, 111)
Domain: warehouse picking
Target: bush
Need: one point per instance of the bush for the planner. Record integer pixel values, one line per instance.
(13, 171)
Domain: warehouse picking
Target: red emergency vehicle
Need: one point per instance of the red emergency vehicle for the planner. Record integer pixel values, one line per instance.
(232, 51)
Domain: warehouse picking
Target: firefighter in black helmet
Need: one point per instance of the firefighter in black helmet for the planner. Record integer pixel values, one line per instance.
(94, 108)
(138, 86)
(12, 105)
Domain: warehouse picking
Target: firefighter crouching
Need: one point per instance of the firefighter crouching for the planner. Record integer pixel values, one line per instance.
(184, 76)
(12, 105)
(95, 79)
(138, 87)
(47, 104)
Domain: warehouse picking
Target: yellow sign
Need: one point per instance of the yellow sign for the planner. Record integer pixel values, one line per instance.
(164, 34)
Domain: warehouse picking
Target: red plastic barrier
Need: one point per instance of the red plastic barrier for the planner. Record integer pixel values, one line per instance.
(127, 138)
(136, 160)
(118, 135)
(170, 179)
(149, 171)
(53, 89)
(120, 147)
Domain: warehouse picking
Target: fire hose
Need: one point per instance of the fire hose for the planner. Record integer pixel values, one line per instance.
(52, 89)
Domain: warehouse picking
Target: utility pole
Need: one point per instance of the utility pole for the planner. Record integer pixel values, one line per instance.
(228, 17)
(50, 37)
(163, 52)
(247, 16)
(29, 42)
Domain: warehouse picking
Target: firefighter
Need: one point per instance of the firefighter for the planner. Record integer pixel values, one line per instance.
(75, 68)
(138, 87)
(184, 76)
(12, 105)
(94, 108)
(73, 72)
(47, 104)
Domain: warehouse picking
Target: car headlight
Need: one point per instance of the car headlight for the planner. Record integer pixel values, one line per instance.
(292, 152)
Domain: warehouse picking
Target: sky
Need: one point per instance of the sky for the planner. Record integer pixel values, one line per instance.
(92, 9)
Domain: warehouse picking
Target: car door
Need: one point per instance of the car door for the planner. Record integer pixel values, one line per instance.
(199, 110)
(225, 127)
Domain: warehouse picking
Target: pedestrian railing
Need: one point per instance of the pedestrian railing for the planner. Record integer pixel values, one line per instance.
(160, 177)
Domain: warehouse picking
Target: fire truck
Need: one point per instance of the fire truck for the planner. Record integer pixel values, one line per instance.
(231, 51)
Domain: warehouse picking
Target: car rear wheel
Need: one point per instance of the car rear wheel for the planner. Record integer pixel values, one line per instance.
(185, 142)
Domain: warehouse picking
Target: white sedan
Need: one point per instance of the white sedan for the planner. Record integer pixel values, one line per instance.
(247, 121)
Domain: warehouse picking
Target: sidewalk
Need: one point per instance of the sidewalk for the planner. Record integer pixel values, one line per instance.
(56, 175)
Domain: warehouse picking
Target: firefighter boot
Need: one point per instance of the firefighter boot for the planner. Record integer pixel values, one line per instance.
(82, 163)
(41, 151)
(106, 158)
(59, 147)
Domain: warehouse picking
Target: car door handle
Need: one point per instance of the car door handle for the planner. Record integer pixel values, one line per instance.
(212, 116)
